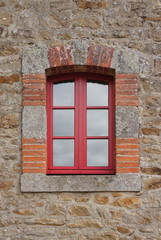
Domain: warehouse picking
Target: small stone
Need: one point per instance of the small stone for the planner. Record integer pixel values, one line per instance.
(9, 121)
(151, 171)
(82, 198)
(7, 49)
(23, 212)
(85, 224)
(136, 237)
(151, 131)
(10, 79)
(66, 197)
(152, 183)
(127, 202)
(103, 235)
(116, 214)
(101, 199)
(85, 4)
(5, 185)
(5, 18)
(45, 221)
(123, 230)
(79, 210)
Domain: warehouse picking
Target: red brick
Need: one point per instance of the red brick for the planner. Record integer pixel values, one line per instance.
(126, 146)
(70, 59)
(34, 146)
(63, 57)
(34, 159)
(34, 97)
(127, 140)
(127, 164)
(127, 92)
(35, 86)
(34, 103)
(127, 170)
(126, 81)
(94, 55)
(126, 97)
(126, 76)
(57, 57)
(33, 140)
(106, 57)
(34, 77)
(51, 58)
(126, 103)
(127, 158)
(34, 92)
(131, 153)
(126, 86)
(34, 170)
(33, 153)
(33, 165)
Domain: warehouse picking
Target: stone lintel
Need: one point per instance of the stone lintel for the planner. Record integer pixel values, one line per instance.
(80, 183)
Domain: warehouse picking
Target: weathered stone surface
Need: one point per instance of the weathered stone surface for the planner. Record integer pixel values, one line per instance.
(101, 199)
(45, 221)
(35, 60)
(127, 122)
(152, 183)
(7, 49)
(79, 52)
(151, 171)
(10, 79)
(89, 223)
(82, 198)
(23, 212)
(9, 121)
(5, 18)
(85, 4)
(34, 122)
(125, 61)
(103, 235)
(66, 197)
(79, 210)
(127, 202)
(41, 183)
(151, 131)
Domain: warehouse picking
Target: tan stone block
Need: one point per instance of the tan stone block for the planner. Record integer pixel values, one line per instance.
(151, 171)
(5, 185)
(79, 210)
(57, 209)
(85, 223)
(85, 4)
(152, 183)
(45, 221)
(65, 197)
(86, 21)
(152, 149)
(5, 18)
(127, 203)
(123, 230)
(23, 212)
(116, 214)
(136, 237)
(104, 235)
(10, 79)
(151, 131)
(101, 199)
(7, 49)
(9, 121)
(82, 198)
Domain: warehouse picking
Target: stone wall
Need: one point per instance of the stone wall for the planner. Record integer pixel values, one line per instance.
(125, 24)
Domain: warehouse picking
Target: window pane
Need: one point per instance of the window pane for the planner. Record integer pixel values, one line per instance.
(63, 94)
(63, 122)
(63, 152)
(97, 122)
(97, 152)
(97, 94)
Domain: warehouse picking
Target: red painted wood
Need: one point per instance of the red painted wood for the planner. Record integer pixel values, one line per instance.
(80, 129)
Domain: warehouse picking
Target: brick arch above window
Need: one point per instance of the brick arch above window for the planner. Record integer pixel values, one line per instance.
(40, 62)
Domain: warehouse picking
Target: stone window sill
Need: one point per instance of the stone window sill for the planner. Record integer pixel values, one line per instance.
(80, 183)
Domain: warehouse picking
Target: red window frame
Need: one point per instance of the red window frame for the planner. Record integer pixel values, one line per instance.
(80, 125)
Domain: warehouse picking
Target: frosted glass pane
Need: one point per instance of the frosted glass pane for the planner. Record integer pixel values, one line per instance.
(63, 122)
(63, 94)
(63, 152)
(97, 122)
(97, 94)
(97, 152)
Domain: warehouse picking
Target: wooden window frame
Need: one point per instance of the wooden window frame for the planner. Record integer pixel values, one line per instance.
(80, 125)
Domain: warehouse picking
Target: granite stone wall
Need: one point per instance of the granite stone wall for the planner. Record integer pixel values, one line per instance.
(133, 29)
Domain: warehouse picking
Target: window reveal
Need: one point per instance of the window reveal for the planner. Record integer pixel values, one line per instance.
(80, 124)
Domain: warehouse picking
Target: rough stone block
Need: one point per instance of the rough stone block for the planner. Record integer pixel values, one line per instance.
(125, 60)
(34, 122)
(35, 60)
(127, 122)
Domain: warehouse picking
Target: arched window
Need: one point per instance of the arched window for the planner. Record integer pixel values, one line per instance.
(80, 113)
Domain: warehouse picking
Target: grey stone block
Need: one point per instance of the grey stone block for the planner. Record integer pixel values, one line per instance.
(125, 60)
(80, 183)
(34, 122)
(127, 123)
(35, 60)
(80, 52)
